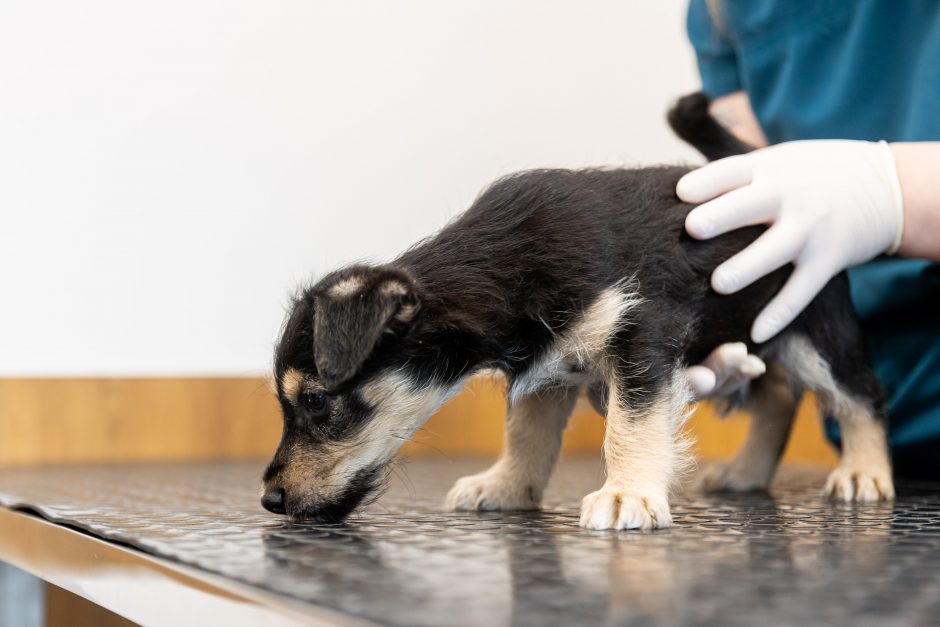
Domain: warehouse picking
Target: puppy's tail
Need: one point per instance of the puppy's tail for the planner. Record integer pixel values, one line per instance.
(691, 121)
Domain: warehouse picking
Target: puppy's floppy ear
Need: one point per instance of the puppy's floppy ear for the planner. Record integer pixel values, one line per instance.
(354, 307)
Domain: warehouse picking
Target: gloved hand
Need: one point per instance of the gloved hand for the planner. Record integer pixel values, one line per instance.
(726, 369)
(831, 204)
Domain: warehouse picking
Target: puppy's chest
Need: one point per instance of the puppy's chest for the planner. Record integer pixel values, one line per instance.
(578, 354)
(555, 367)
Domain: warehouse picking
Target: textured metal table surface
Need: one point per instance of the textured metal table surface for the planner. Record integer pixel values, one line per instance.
(787, 558)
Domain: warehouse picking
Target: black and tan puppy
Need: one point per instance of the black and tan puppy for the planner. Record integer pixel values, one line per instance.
(564, 281)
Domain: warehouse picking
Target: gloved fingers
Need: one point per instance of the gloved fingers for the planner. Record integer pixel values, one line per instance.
(714, 179)
(726, 358)
(802, 286)
(741, 207)
(726, 369)
(701, 380)
(753, 367)
(775, 248)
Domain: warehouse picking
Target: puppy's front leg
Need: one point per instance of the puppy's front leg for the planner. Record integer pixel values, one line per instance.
(643, 458)
(534, 424)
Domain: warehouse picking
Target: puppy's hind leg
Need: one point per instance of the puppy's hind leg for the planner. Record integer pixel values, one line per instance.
(848, 389)
(534, 425)
(771, 405)
(864, 471)
(643, 453)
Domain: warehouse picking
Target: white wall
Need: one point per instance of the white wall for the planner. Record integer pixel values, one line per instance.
(170, 170)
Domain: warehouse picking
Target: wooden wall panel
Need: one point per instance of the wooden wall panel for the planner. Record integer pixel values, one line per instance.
(109, 419)
(64, 609)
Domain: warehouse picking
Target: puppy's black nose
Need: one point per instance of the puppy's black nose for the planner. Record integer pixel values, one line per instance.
(273, 501)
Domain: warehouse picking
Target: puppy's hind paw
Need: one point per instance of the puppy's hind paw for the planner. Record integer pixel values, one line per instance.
(728, 478)
(858, 485)
(491, 491)
(613, 508)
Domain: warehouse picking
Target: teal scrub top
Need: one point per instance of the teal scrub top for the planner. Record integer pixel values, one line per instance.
(869, 69)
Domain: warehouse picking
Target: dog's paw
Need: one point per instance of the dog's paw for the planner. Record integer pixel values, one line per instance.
(851, 484)
(491, 491)
(728, 478)
(615, 508)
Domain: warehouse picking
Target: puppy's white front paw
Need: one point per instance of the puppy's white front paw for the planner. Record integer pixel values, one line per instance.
(852, 484)
(612, 507)
(492, 491)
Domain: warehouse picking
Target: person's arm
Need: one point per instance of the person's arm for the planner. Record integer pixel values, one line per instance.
(918, 166)
(734, 112)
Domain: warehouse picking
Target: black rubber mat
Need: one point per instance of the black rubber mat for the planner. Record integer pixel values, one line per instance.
(788, 558)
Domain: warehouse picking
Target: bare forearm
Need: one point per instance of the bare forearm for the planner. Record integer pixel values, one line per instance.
(918, 165)
(734, 112)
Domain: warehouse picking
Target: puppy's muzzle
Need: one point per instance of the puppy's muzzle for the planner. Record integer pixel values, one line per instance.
(332, 509)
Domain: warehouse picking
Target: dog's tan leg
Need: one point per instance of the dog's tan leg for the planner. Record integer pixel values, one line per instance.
(772, 407)
(644, 455)
(534, 426)
(864, 472)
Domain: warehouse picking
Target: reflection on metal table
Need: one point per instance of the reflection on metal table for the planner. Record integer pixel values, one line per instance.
(784, 558)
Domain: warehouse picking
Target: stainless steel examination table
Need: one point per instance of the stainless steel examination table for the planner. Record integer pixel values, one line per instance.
(189, 544)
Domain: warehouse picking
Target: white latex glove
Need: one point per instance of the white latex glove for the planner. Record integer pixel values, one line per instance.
(831, 204)
(726, 369)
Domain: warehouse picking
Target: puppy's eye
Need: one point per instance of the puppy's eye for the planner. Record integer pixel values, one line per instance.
(316, 403)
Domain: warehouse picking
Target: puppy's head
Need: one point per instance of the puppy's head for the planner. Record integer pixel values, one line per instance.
(348, 396)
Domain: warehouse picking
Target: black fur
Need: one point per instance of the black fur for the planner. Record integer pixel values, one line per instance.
(358, 491)
(690, 120)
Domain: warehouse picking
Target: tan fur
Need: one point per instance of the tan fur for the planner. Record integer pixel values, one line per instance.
(407, 313)
(346, 287)
(811, 371)
(772, 408)
(534, 426)
(645, 454)
(308, 472)
(393, 288)
(400, 410)
(292, 383)
(581, 346)
(864, 472)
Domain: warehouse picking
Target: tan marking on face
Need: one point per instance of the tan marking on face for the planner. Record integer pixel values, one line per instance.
(393, 288)
(407, 313)
(400, 410)
(308, 468)
(292, 382)
(314, 472)
(346, 287)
